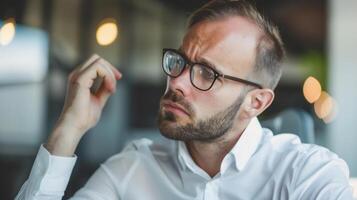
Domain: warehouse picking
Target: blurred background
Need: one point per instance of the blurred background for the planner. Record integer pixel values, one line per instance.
(41, 41)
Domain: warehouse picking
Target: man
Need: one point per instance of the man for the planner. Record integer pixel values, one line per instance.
(219, 80)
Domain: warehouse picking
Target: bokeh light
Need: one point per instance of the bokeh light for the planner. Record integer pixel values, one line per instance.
(312, 89)
(107, 32)
(324, 105)
(7, 32)
(332, 115)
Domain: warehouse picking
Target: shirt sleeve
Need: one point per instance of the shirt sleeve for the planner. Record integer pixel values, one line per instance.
(48, 178)
(321, 175)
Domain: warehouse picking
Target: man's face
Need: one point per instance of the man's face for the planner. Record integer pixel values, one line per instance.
(187, 113)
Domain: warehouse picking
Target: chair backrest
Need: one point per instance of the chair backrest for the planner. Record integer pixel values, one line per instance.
(292, 120)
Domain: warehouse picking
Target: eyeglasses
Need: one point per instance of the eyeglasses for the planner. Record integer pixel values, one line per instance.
(202, 76)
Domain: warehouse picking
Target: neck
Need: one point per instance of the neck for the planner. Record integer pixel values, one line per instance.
(209, 155)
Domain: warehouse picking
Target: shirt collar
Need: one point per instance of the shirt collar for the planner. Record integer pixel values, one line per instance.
(242, 150)
(247, 143)
(186, 161)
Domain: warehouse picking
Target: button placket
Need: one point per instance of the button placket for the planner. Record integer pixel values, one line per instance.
(211, 190)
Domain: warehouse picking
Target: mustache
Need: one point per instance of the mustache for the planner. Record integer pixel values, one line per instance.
(178, 99)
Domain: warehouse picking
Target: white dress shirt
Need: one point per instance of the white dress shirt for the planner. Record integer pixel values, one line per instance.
(260, 166)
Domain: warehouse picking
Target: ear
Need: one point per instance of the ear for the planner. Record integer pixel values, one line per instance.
(256, 101)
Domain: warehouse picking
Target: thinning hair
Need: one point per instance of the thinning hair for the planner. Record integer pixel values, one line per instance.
(269, 50)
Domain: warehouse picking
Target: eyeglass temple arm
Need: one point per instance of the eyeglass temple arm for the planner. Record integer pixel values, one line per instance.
(242, 81)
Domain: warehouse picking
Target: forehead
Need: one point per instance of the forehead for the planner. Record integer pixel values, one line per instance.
(226, 43)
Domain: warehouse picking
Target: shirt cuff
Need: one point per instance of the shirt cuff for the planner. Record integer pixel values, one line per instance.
(50, 174)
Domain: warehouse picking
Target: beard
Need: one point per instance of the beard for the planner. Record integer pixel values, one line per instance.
(201, 129)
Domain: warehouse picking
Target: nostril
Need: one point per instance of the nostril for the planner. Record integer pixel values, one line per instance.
(180, 91)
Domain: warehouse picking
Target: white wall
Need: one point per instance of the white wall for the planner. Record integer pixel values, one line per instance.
(342, 134)
(22, 118)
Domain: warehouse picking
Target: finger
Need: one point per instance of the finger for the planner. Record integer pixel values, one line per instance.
(87, 77)
(94, 58)
(98, 81)
(116, 72)
(75, 73)
(99, 63)
(106, 65)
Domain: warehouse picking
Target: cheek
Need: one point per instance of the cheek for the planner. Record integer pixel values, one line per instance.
(210, 105)
(215, 101)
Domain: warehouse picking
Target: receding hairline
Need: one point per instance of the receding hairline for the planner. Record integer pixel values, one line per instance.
(270, 50)
(260, 36)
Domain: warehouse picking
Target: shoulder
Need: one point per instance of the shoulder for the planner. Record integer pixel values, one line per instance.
(288, 143)
(314, 172)
(300, 156)
(309, 170)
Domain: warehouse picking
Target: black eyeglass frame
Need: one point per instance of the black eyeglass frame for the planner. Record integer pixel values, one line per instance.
(190, 64)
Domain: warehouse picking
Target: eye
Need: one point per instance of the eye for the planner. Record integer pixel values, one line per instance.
(206, 73)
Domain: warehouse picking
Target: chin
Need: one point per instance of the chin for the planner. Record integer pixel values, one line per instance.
(168, 123)
(167, 129)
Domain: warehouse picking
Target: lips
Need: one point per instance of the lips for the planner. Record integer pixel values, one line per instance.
(175, 107)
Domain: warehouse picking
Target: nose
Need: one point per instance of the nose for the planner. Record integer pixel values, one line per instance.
(182, 83)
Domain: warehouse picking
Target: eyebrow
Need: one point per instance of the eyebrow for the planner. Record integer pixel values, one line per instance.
(202, 61)
(206, 62)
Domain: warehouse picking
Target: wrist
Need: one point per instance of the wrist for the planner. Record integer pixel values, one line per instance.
(71, 123)
(63, 141)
